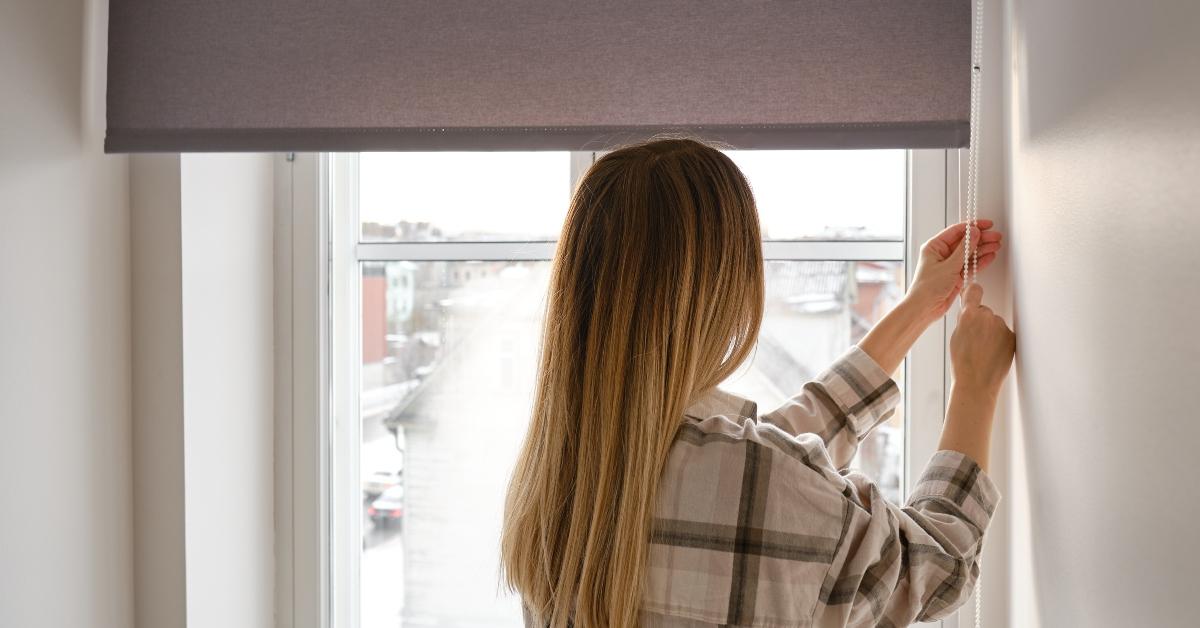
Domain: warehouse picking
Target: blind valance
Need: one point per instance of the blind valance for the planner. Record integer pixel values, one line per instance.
(347, 75)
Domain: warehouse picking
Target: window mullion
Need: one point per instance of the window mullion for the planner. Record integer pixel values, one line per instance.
(799, 250)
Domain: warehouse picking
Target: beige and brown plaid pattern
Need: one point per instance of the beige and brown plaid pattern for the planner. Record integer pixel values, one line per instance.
(760, 524)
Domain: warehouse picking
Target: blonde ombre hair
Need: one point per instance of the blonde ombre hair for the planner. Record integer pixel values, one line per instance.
(656, 296)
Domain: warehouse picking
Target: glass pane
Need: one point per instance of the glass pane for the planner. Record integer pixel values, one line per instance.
(828, 194)
(447, 196)
(814, 311)
(524, 195)
(449, 357)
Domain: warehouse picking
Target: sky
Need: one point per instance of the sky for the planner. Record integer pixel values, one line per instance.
(525, 194)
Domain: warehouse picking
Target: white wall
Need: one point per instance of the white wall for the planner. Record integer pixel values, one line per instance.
(158, 476)
(203, 390)
(226, 226)
(65, 533)
(1104, 132)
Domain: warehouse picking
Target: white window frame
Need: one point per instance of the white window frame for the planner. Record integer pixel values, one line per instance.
(317, 422)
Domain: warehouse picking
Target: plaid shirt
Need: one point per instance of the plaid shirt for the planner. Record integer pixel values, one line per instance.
(759, 523)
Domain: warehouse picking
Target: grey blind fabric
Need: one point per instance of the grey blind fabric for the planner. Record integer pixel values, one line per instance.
(342, 75)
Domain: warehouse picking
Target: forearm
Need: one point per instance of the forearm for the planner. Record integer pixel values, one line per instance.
(891, 338)
(968, 427)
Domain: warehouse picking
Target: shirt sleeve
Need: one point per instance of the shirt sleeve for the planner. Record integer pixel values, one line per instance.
(918, 562)
(841, 406)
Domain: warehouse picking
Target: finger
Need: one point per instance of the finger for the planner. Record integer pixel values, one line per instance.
(981, 263)
(991, 236)
(957, 254)
(980, 246)
(945, 242)
(950, 237)
(984, 245)
(974, 295)
(981, 252)
(984, 262)
(990, 247)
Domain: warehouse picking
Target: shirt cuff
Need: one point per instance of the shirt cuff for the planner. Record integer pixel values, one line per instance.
(866, 394)
(955, 477)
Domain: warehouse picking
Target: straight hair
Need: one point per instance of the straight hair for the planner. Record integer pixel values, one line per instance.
(656, 296)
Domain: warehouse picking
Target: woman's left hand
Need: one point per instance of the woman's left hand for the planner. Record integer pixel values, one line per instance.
(939, 278)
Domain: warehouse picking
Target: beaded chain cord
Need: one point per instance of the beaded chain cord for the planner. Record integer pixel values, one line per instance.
(971, 257)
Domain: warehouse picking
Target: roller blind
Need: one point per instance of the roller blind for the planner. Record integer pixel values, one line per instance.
(343, 75)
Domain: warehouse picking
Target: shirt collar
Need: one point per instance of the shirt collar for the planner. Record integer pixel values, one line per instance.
(717, 402)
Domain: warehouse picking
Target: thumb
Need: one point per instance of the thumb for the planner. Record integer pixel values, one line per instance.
(974, 296)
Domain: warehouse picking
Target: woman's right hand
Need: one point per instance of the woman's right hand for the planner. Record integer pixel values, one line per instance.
(982, 347)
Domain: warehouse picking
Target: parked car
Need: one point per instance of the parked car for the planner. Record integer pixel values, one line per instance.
(379, 482)
(388, 509)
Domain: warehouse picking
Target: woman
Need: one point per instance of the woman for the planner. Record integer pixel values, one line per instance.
(646, 496)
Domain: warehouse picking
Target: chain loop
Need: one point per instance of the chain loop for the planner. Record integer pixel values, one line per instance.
(971, 254)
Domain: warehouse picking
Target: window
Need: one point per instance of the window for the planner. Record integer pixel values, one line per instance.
(462, 197)
(439, 267)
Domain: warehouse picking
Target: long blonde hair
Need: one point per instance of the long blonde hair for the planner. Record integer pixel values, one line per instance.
(656, 296)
